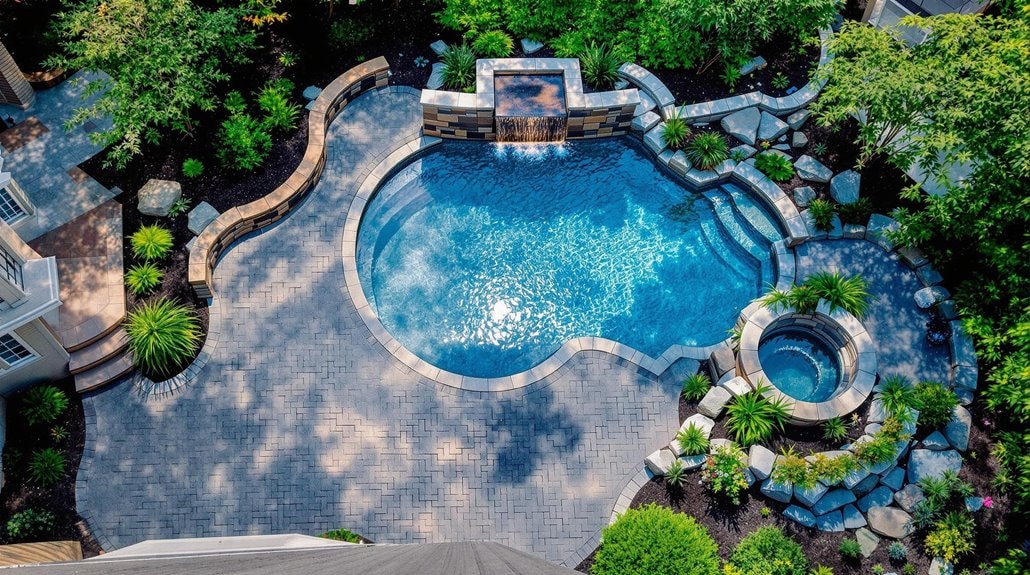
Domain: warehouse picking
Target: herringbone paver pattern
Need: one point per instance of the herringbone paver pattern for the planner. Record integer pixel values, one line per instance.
(301, 422)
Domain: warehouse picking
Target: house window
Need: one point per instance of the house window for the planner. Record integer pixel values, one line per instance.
(11, 268)
(10, 210)
(13, 351)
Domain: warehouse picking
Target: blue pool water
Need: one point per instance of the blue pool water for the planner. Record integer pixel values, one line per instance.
(801, 365)
(483, 259)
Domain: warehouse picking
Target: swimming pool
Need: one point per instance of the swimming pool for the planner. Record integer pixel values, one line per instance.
(484, 259)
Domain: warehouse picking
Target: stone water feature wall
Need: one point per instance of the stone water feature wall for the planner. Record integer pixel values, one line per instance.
(462, 116)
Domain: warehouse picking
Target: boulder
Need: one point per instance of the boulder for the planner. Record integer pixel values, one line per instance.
(889, 522)
(800, 515)
(702, 422)
(957, 430)
(803, 195)
(530, 46)
(852, 518)
(866, 485)
(436, 76)
(876, 230)
(844, 187)
(781, 492)
(830, 522)
(659, 461)
(909, 497)
(200, 216)
(692, 462)
(936, 442)
(974, 504)
(812, 170)
(879, 497)
(832, 501)
(756, 63)
(926, 463)
(157, 196)
(798, 140)
(810, 496)
(760, 461)
(855, 477)
(737, 386)
(867, 541)
(713, 402)
(872, 428)
(940, 567)
(439, 47)
(743, 149)
(749, 477)
(719, 442)
(876, 411)
(894, 480)
(312, 92)
(798, 119)
(928, 296)
(743, 124)
(722, 361)
(770, 127)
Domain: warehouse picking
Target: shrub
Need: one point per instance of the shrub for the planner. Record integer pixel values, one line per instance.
(723, 473)
(831, 470)
(493, 44)
(234, 103)
(676, 131)
(950, 538)
(819, 149)
(707, 150)
(192, 167)
(846, 293)
(692, 440)
(44, 404)
(654, 540)
(765, 511)
(857, 212)
(834, 429)
(676, 475)
(342, 535)
(767, 551)
(696, 386)
(822, 214)
(1015, 562)
(792, 469)
(753, 417)
(821, 570)
(877, 569)
(161, 334)
(179, 207)
(243, 142)
(850, 549)
(936, 403)
(30, 525)
(896, 394)
(730, 75)
(776, 166)
(274, 101)
(459, 71)
(880, 449)
(780, 81)
(897, 551)
(141, 278)
(151, 242)
(908, 569)
(599, 65)
(47, 466)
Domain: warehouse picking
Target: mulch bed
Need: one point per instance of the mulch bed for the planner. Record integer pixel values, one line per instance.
(21, 493)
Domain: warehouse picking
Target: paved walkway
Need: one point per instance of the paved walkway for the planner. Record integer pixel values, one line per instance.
(299, 424)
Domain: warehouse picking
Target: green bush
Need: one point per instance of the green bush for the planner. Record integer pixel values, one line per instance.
(459, 71)
(30, 525)
(879, 449)
(653, 540)
(776, 166)
(840, 292)
(857, 212)
(792, 469)
(752, 417)
(821, 570)
(692, 440)
(780, 81)
(46, 467)
(342, 535)
(822, 214)
(179, 207)
(493, 44)
(44, 404)
(767, 551)
(676, 131)
(141, 278)
(831, 470)
(1015, 562)
(897, 551)
(274, 101)
(600, 65)
(696, 386)
(243, 142)
(676, 474)
(935, 402)
(192, 168)
(723, 473)
(850, 549)
(950, 537)
(896, 394)
(161, 334)
(834, 429)
(151, 242)
(707, 150)
(234, 103)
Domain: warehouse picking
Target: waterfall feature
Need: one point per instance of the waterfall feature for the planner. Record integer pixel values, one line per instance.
(530, 108)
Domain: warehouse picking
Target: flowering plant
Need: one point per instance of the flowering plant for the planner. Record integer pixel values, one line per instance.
(723, 473)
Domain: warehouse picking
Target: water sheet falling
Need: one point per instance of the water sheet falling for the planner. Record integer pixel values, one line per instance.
(530, 108)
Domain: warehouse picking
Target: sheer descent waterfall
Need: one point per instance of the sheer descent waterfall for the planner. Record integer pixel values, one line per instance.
(530, 108)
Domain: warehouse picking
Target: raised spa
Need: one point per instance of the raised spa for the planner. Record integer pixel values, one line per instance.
(484, 259)
(803, 364)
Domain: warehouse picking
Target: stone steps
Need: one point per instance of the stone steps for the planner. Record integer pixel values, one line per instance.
(736, 226)
(104, 373)
(754, 214)
(98, 352)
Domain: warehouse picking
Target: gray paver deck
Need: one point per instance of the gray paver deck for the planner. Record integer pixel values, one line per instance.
(300, 422)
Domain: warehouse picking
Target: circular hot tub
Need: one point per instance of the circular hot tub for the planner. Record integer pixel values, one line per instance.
(803, 364)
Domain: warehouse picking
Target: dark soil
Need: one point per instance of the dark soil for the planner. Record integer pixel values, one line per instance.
(25, 31)
(20, 492)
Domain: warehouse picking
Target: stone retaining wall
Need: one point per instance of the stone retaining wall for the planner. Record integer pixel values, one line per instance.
(241, 220)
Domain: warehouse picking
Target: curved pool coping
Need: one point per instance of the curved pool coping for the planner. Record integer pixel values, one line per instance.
(743, 174)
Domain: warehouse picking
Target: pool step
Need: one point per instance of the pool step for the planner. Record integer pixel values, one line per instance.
(726, 249)
(754, 214)
(737, 229)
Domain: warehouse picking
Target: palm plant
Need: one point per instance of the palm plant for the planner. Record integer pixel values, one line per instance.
(753, 417)
(822, 214)
(47, 466)
(800, 298)
(676, 475)
(676, 130)
(600, 65)
(896, 394)
(696, 386)
(847, 293)
(776, 166)
(151, 242)
(459, 72)
(707, 150)
(692, 440)
(142, 278)
(44, 404)
(161, 335)
(834, 429)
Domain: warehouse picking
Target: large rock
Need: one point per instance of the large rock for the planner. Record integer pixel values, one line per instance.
(721, 443)
(852, 518)
(660, 461)
(957, 430)
(803, 195)
(798, 140)
(927, 463)
(877, 414)
(831, 522)
(940, 567)
(878, 228)
(781, 492)
(770, 127)
(743, 150)
(833, 500)
(810, 496)
(714, 401)
(756, 63)
(928, 296)
(894, 480)
(844, 187)
(439, 47)
(530, 46)
(879, 497)
(760, 460)
(312, 92)
(936, 442)
(436, 76)
(743, 125)
(157, 196)
(867, 541)
(737, 386)
(800, 515)
(812, 170)
(855, 477)
(909, 497)
(889, 522)
(200, 216)
(797, 119)
(866, 485)
(692, 462)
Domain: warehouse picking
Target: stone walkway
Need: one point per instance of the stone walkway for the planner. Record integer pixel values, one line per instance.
(299, 424)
